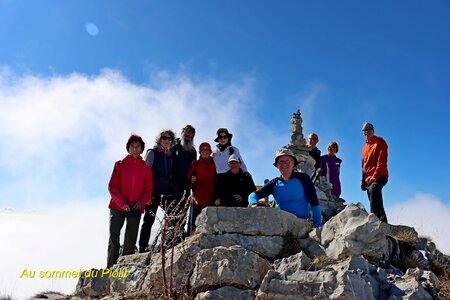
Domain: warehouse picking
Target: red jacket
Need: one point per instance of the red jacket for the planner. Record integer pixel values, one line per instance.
(374, 159)
(131, 181)
(203, 188)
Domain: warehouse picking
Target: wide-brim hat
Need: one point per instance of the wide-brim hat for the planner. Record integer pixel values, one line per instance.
(284, 152)
(223, 130)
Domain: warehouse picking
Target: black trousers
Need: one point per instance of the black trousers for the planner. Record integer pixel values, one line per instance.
(376, 198)
(116, 221)
(149, 218)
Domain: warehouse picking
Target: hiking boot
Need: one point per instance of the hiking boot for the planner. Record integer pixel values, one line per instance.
(143, 250)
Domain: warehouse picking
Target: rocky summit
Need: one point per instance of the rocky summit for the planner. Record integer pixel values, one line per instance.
(267, 253)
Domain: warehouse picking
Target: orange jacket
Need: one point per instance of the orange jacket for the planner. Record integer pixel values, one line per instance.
(203, 188)
(374, 159)
(131, 181)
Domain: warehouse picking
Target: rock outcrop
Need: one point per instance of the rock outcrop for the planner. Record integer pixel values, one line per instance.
(266, 253)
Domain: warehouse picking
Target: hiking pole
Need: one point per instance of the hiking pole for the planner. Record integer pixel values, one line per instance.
(191, 209)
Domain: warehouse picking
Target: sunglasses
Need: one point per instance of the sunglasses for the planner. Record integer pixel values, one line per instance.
(221, 137)
(167, 138)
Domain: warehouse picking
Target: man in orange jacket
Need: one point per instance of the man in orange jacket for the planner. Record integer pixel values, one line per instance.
(374, 169)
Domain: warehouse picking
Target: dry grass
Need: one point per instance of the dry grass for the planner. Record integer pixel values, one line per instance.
(444, 278)
(406, 236)
(290, 245)
(322, 261)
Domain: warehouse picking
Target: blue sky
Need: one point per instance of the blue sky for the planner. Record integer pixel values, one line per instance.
(76, 77)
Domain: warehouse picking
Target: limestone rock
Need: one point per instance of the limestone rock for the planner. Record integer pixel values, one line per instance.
(228, 266)
(226, 292)
(266, 246)
(410, 287)
(92, 286)
(353, 232)
(251, 221)
(181, 266)
(344, 280)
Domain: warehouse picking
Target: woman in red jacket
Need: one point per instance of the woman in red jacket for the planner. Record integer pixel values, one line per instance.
(201, 178)
(130, 187)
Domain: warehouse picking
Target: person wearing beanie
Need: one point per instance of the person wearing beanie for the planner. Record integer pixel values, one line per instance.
(130, 187)
(159, 159)
(201, 180)
(374, 169)
(331, 165)
(293, 192)
(224, 150)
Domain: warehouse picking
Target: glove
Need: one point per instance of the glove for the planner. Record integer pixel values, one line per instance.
(363, 185)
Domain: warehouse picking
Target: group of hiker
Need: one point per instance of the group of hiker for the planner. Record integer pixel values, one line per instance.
(374, 167)
(170, 170)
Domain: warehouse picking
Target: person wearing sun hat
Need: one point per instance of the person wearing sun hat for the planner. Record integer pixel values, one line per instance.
(374, 169)
(224, 150)
(293, 191)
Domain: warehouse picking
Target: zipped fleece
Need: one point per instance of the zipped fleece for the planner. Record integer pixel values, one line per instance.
(374, 159)
(131, 181)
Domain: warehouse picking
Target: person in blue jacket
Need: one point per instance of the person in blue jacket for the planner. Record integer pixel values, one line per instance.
(293, 191)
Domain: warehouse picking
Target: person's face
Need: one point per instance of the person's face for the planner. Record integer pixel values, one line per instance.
(234, 166)
(223, 138)
(285, 164)
(313, 140)
(205, 152)
(188, 134)
(166, 140)
(332, 149)
(135, 149)
(368, 133)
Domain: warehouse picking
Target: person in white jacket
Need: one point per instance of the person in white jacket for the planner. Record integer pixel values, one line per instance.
(224, 150)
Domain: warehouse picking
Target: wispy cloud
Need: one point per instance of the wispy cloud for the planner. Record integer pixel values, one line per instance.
(63, 133)
(427, 214)
(61, 137)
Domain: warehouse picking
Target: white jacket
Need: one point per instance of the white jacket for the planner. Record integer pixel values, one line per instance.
(221, 159)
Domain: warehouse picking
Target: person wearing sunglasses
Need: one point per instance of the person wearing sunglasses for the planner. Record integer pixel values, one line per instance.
(159, 158)
(224, 150)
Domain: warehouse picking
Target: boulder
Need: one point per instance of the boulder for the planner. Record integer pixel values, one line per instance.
(349, 279)
(233, 265)
(410, 286)
(265, 221)
(354, 232)
(92, 284)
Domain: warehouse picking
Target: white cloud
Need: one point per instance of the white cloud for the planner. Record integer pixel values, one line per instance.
(61, 136)
(64, 132)
(427, 214)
